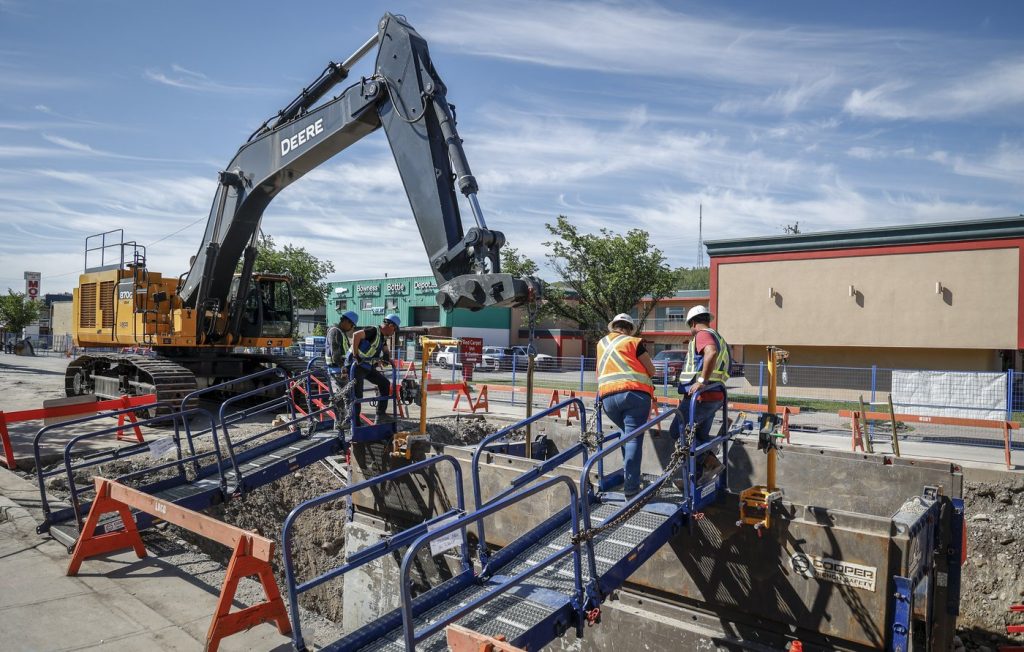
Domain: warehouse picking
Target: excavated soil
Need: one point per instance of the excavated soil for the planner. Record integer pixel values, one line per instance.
(993, 578)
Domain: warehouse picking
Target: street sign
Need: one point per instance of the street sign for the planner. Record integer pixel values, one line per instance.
(32, 285)
(471, 350)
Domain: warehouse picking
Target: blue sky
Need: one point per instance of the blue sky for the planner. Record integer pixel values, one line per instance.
(117, 114)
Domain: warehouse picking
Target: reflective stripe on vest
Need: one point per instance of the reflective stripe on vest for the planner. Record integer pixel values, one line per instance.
(695, 361)
(343, 344)
(372, 348)
(618, 368)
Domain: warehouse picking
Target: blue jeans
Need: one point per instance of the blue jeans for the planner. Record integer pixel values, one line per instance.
(628, 411)
(703, 416)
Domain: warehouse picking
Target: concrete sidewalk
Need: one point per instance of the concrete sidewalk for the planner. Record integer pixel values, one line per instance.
(117, 602)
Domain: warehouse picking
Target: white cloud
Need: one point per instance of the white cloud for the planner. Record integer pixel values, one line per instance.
(180, 77)
(976, 90)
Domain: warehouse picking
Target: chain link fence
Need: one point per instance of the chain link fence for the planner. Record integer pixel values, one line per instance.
(943, 406)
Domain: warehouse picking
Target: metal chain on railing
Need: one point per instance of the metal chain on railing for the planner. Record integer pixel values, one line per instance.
(680, 454)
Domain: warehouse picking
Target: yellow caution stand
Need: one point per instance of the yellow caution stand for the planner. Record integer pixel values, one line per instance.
(756, 502)
(404, 440)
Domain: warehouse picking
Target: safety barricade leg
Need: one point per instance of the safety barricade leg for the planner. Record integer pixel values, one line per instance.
(5, 441)
(463, 390)
(91, 544)
(553, 402)
(571, 412)
(225, 623)
(482, 402)
(856, 436)
(125, 404)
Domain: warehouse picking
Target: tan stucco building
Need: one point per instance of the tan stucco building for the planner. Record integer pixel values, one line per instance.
(931, 296)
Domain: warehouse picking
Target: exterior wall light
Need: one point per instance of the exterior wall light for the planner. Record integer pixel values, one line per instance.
(771, 293)
(853, 291)
(938, 287)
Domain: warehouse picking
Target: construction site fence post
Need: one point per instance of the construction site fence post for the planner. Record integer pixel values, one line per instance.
(760, 383)
(582, 365)
(1009, 394)
(514, 358)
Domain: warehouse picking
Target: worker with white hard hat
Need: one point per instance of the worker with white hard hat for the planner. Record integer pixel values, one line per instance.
(625, 389)
(705, 371)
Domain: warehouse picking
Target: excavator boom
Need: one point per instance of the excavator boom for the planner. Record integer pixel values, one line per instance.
(407, 98)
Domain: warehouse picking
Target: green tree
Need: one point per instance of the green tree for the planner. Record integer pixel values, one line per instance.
(516, 264)
(306, 270)
(604, 274)
(319, 329)
(17, 312)
(692, 278)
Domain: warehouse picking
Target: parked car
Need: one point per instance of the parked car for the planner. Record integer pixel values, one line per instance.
(521, 358)
(448, 356)
(670, 359)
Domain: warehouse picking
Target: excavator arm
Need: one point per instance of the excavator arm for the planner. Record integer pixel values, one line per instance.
(407, 98)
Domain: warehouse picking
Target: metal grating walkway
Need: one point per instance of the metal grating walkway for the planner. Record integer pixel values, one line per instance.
(514, 613)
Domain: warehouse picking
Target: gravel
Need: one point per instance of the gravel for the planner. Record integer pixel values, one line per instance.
(993, 578)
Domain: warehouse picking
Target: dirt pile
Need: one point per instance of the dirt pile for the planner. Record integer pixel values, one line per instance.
(319, 534)
(464, 431)
(993, 578)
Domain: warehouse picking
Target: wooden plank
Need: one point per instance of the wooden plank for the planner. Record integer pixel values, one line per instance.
(201, 524)
(51, 403)
(942, 421)
(757, 407)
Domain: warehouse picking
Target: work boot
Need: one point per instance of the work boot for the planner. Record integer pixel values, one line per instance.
(712, 468)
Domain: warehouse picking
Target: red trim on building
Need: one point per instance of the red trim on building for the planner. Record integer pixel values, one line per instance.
(860, 252)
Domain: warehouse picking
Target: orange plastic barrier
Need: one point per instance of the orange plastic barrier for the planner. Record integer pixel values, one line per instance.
(252, 554)
(72, 410)
(857, 436)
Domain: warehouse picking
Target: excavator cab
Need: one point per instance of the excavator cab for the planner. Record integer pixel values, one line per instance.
(269, 309)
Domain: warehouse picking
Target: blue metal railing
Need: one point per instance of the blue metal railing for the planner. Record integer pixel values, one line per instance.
(226, 420)
(408, 625)
(107, 455)
(622, 440)
(184, 418)
(372, 552)
(531, 474)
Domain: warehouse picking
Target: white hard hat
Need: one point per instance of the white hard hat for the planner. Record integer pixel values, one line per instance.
(622, 317)
(697, 311)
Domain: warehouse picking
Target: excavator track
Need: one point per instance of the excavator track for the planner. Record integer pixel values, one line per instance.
(110, 375)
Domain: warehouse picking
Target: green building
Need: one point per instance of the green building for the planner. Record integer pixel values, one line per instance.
(412, 298)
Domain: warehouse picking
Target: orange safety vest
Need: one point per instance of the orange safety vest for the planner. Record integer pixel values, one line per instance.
(618, 368)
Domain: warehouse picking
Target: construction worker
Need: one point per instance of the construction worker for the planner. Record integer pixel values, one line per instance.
(336, 350)
(370, 349)
(625, 389)
(706, 370)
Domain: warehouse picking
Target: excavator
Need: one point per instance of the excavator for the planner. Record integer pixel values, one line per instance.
(196, 328)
